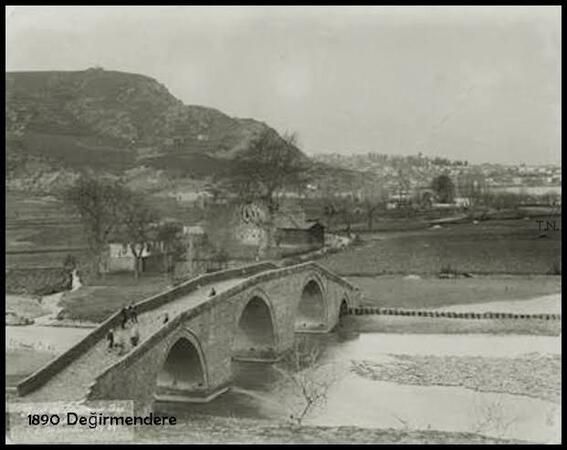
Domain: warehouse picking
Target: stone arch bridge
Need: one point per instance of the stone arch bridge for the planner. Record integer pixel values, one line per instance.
(254, 316)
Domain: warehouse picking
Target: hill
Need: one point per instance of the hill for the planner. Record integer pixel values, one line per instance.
(60, 123)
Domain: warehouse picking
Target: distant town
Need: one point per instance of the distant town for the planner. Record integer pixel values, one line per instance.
(421, 169)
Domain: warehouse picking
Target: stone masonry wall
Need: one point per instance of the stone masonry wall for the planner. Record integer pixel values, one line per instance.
(213, 325)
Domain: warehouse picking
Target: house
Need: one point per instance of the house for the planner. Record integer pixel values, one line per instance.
(462, 202)
(309, 234)
(196, 237)
(399, 199)
(186, 196)
(295, 230)
(292, 229)
(120, 257)
(193, 231)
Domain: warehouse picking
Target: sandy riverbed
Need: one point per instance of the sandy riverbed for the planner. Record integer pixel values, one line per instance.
(547, 304)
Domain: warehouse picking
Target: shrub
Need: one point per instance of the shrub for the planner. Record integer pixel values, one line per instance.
(555, 268)
(447, 269)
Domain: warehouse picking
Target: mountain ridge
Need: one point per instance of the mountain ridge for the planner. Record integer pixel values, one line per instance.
(110, 121)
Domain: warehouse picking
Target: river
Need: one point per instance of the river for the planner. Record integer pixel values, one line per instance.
(361, 401)
(358, 401)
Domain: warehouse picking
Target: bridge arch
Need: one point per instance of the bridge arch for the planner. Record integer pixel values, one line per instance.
(342, 309)
(312, 307)
(184, 367)
(344, 305)
(255, 328)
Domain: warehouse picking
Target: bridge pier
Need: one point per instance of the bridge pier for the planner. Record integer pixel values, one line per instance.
(257, 358)
(310, 328)
(171, 395)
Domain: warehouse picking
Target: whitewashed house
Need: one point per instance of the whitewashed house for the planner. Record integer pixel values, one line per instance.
(122, 259)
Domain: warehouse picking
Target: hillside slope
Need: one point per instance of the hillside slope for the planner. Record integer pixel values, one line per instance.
(59, 123)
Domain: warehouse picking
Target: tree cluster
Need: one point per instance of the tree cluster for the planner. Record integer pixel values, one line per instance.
(109, 210)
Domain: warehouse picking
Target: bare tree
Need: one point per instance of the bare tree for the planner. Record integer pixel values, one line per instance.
(473, 187)
(374, 198)
(330, 211)
(99, 205)
(346, 211)
(329, 204)
(492, 418)
(139, 228)
(444, 188)
(271, 165)
(306, 380)
(174, 246)
(404, 185)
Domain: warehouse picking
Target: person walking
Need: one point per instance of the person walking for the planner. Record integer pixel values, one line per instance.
(212, 293)
(120, 340)
(110, 338)
(133, 315)
(134, 335)
(166, 318)
(124, 314)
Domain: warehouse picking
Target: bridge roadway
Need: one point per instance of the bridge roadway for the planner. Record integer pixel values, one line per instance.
(73, 381)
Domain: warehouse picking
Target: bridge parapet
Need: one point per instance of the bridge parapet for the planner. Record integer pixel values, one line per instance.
(41, 376)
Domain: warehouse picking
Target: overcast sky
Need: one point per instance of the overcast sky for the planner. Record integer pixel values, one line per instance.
(473, 83)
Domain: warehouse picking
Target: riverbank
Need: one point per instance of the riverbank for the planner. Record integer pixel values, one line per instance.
(208, 430)
(201, 429)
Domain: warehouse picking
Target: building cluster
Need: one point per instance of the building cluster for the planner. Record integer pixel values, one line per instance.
(419, 170)
(212, 246)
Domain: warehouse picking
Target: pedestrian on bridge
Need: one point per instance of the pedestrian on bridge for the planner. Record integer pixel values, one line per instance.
(124, 314)
(134, 335)
(110, 337)
(120, 341)
(212, 293)
(166, 318)
(132, 314)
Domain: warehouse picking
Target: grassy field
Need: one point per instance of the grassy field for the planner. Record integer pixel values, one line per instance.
(37, 223)
(43, 259)
(64, 235)
(400, 292)
(492, 247)
(102, 298)
(23, 206)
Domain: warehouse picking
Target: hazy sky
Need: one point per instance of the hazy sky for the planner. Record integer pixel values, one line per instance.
(481, 84)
